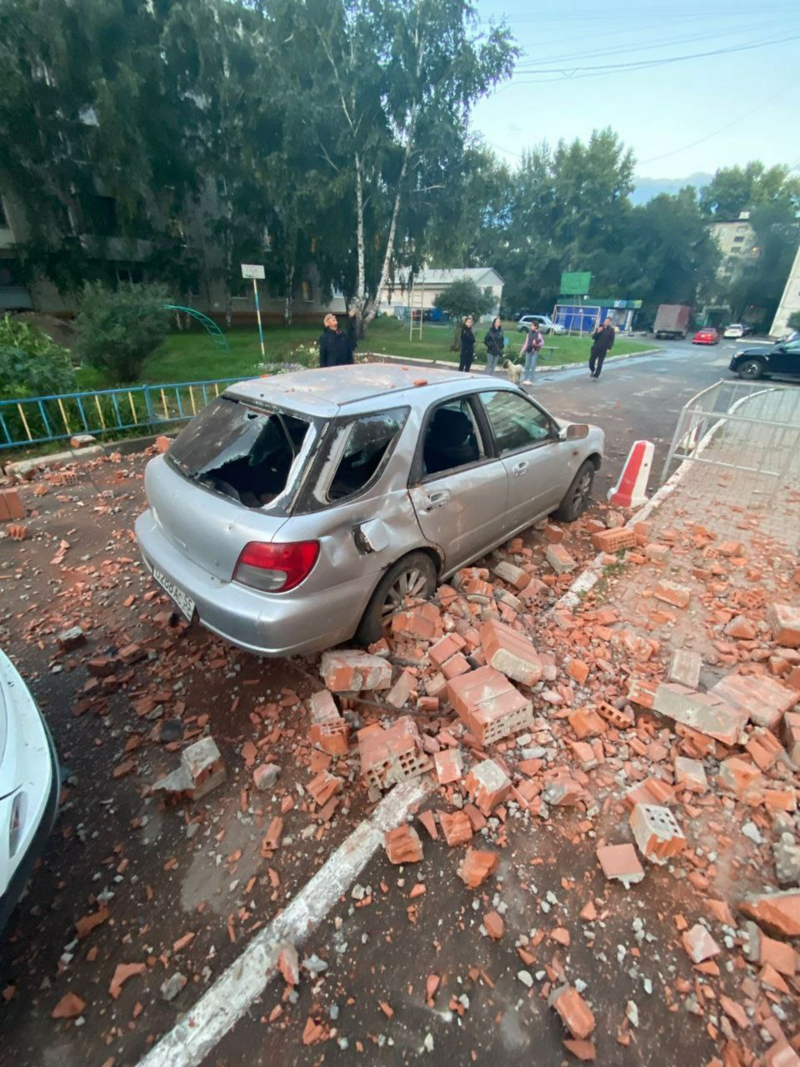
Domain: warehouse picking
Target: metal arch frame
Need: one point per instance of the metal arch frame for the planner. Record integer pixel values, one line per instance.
(212, 329)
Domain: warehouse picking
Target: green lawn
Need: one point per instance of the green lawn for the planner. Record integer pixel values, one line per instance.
(191, 356)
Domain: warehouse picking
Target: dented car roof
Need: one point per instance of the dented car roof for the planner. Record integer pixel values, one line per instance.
(323, 391)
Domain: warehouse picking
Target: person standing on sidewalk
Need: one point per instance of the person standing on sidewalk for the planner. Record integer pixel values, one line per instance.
(602, 342)
(467, 345)
(495, 343)
(531, 347)
(334, 346)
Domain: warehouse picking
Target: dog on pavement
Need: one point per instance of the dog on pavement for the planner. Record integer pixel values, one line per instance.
(513, 370)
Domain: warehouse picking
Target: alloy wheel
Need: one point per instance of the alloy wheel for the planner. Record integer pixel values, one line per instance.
(411, 583)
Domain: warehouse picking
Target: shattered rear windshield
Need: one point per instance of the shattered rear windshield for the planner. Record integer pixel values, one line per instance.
(243, 452)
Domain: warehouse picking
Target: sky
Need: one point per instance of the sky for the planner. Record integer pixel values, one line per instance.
(680, 118)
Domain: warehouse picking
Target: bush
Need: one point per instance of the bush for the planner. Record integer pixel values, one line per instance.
(118, 329)
(462, 299)
(31, 363)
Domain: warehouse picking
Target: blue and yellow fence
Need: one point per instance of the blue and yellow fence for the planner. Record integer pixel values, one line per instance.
(39, 420)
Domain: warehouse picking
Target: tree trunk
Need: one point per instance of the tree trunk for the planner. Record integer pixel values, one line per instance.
(288, 304)
(361, 280)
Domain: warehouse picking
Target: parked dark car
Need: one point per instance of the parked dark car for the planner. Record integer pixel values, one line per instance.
(762, 361)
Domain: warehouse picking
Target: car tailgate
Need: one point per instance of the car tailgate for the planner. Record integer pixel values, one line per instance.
(207, 528)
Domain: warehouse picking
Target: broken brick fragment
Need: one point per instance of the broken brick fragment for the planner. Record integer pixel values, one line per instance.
(785, 622)
(122, 973)
(351, 671)
(766, 700)
(699, 944)
(614, 540)
(11, 506)
(657, 833)
(289, 964)
(690, 774)
(392, 755)
(777, 913)
(69, 1007)
(586, 723)
(488, 785)
(444, 649)
(494, 925)
(741, 778)
(477, 866)
(670, 593)
(324, 786)
(621, 863)
(510, 652)
(575, 1013)
(559, 559)
(449, 765)
(403, 845)
(456, 827)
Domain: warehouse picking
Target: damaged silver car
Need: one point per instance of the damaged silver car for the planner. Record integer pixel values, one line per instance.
(297, 511)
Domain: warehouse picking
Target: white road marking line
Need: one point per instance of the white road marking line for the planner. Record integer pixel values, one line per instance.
(221, 1006)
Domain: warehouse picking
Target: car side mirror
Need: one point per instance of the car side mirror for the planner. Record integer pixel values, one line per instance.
(576, 431)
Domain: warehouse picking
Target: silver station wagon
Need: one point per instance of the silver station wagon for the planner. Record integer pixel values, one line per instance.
(297, 511)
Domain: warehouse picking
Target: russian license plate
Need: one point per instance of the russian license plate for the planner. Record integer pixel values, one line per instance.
(183, 600)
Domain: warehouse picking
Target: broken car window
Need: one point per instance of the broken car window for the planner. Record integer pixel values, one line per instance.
(516, 422)
(369, 442)
(244, 452)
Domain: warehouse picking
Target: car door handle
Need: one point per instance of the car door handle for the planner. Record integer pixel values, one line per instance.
(519, 468)
(437, 499)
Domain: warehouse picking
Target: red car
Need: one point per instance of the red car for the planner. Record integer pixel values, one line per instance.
(707, 336)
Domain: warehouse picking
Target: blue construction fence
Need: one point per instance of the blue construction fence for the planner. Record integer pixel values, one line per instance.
(39, 420)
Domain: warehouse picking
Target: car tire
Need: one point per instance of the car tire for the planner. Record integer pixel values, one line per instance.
(413, 575)
(578, 495)
(751, 369)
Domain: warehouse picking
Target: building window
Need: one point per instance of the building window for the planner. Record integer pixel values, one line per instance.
(10, 275)
(130, 275)
(307, 293)
(738, 240)
(100, 215)
(3, 217)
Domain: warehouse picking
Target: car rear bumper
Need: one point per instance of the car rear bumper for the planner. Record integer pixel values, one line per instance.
(294, 623)
(41, 823)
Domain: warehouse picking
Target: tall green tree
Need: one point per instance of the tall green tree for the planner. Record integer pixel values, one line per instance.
(736, 189)
(386, 97)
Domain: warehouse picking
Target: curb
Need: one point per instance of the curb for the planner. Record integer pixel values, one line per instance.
(126, 446)
(482, 366)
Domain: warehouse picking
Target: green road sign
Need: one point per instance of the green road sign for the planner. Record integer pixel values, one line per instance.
(575, 283)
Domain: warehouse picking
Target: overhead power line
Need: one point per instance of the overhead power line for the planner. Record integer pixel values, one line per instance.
(576, 73)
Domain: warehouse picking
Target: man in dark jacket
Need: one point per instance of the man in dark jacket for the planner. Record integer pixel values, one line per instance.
(602, 343)
(335, 347)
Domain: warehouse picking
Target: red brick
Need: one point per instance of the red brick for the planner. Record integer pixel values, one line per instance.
(690, 774)
(559, 559)
(456, 827)
(449, 765)
(699, 944)
(403, 845)
(622, 720)
(741, 629)
(577, 670)
(477, 866)
(765, 699)
(758, 948)
(510, 652)
(162, 444)
(352, 670)
(657, 833)
(444, 649)
(778, 913)
(575, 1013)
(764, 749)
(392, 755)
(402, 690)
(676, 595)
(10, 505)
(614, 540)
(509, 572)
(494, 924)
(489, 705)
(554, 534)
(416, 623)
(586, 723)
(620, 862)
(488, 785)
(323, 786)
(785, 622)
(17, 532)
(428, 820)
(741, 778)
(455, 666)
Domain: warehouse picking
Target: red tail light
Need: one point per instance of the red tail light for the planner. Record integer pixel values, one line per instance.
(275, 568)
